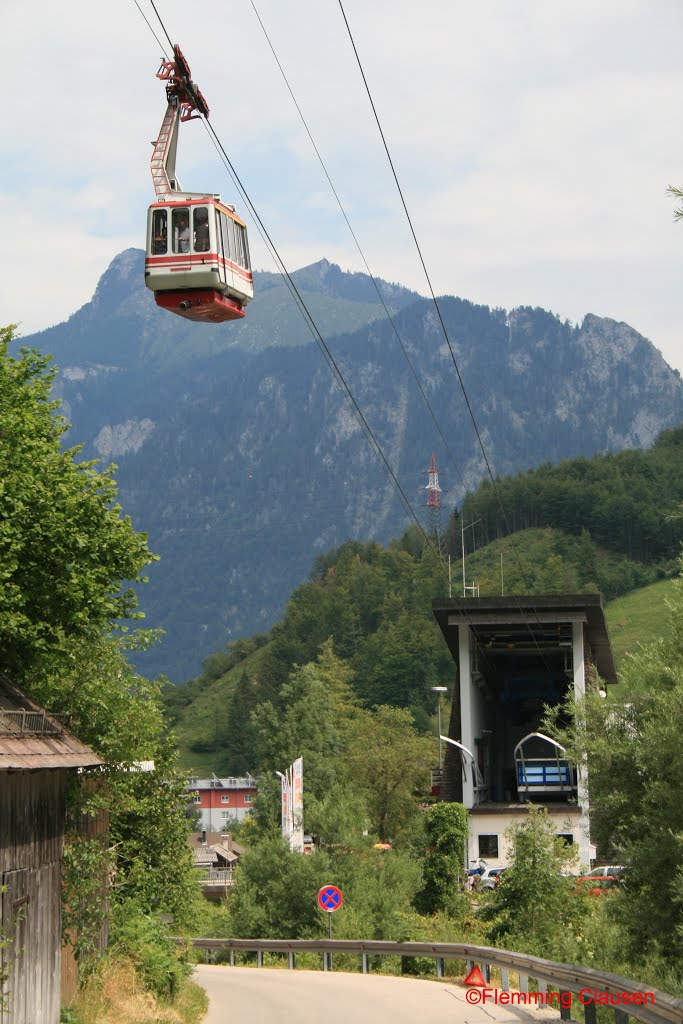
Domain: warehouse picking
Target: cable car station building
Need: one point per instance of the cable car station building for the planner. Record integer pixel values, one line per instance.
(514, 656)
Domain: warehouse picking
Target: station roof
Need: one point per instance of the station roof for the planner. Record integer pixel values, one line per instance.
(532, 619)
(30, 738)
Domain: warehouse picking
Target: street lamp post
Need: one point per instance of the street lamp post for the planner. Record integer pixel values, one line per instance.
(438, 690)
(283, 791)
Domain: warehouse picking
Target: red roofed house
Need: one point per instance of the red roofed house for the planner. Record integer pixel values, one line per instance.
(36, 755)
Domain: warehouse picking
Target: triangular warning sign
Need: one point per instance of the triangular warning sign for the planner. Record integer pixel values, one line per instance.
(475, 978)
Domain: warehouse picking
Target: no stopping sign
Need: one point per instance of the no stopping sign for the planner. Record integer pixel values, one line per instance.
(330, 898)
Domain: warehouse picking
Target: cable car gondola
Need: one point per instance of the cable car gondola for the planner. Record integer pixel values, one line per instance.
(197, 254)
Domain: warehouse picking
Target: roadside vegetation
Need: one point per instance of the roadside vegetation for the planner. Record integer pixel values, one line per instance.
(116, 995)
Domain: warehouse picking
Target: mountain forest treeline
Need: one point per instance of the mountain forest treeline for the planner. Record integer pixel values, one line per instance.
(622, 500)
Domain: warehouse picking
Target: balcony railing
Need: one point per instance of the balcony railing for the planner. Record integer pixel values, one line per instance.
(29, 723)
(216, 877)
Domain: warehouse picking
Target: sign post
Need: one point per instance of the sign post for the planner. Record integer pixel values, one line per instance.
(292, 804)
(329, 899)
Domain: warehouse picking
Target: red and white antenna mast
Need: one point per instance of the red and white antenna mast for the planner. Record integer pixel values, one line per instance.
(434, 505)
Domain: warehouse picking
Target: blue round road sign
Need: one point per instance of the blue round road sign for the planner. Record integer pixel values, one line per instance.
(330, 898)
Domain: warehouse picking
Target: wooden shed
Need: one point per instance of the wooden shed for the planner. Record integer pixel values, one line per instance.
(36, 755)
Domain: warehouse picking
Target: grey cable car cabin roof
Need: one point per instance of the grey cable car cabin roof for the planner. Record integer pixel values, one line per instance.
(36, 739)
(525, 615)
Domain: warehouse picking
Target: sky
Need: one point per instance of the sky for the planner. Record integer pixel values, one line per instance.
(533, 141)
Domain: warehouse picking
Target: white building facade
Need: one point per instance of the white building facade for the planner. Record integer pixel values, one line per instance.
(514, 657)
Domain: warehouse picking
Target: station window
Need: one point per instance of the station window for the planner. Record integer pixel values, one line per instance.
(488, 846)
(566, 837)
(248, 798)
(196, 799)
(201, 229)
(226, 814)
(159, 232)
(225, 798)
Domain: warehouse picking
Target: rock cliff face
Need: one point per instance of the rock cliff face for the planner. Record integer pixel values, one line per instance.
(242, 460)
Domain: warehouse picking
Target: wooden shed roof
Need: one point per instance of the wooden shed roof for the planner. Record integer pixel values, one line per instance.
(32, 738)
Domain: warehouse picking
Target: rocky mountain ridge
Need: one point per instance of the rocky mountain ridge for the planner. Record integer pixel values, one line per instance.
(242, 460)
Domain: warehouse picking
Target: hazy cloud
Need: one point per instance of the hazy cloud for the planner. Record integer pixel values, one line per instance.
(534, 142)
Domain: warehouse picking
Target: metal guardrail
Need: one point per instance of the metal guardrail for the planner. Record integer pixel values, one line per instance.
(628, 999)
(30, 723)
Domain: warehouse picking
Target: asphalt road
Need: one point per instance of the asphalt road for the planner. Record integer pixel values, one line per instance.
(247, 995)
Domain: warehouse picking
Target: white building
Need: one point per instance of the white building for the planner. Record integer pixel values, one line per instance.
(514, 655)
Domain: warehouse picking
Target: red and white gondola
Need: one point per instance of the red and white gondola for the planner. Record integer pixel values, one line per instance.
(197, 254)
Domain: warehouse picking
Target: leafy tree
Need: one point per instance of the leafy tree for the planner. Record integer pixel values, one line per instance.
(316, 704)
(677, 193)
(275, 893)
(633, 746)
(533, 908)
(378, 887)
(400, 662)
(119, 714)
(445, 830)
(67, 557)
(65, 548)
(238, 743)
(389, 763)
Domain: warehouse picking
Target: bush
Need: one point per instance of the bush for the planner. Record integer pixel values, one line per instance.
(443, 870)
(146, 942)
(533, 908)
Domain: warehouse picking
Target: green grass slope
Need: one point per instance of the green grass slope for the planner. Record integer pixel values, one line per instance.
(204, 718)
(638, 617)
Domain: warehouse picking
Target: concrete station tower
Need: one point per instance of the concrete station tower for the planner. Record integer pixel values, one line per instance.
(514, 655)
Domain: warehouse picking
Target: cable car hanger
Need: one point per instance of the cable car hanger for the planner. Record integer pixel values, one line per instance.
(185, 103)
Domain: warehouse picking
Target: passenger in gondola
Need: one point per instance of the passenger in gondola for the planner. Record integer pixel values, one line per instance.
(201, 230)
(183, 235)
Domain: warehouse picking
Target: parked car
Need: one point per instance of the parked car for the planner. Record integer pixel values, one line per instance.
(489, 879)
(608, 871)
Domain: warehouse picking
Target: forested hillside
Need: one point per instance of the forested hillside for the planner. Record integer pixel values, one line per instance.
(623, 500)
(374, 602)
